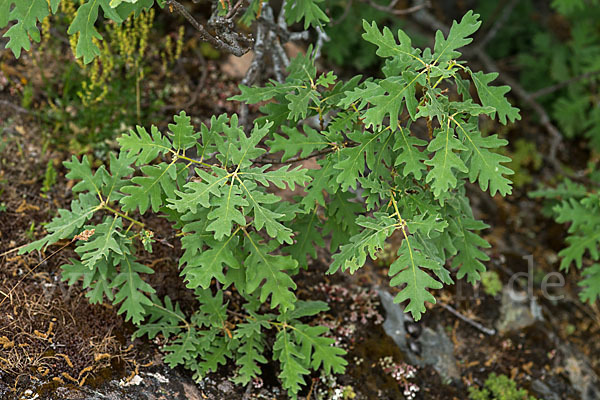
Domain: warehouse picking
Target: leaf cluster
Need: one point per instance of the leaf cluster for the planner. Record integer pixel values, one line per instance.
(499, 387)
(410, 181)
(392, 156)
(573, 204)
(231, 228)
(554, 59)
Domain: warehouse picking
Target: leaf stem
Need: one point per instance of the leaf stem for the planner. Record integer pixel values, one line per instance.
(191, 160)
(127, 217)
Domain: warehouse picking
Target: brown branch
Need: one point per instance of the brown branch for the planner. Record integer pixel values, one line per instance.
(498, 24)
(555, 135)
(390, 8)
(269, 23)
(294, 159)
(344, 14)
(468, 320)
(234, 10)
(16, 107)
(560, 85)
(215, 41)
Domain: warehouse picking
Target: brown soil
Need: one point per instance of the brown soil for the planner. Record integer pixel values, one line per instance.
(50, 336)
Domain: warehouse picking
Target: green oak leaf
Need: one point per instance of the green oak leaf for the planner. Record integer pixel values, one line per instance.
(409, 269)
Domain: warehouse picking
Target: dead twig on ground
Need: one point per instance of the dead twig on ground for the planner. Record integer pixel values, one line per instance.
(85, 235)
(16, 107)
(468, 320)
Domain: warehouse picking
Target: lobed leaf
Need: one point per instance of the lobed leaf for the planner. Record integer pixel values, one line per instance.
(469, 256)
(296, 142)
(386, 43)
(226, 211)
(320, 349)
(158, 183)
(494, 96)
(308, 238)
(182, 349)
(401, 90)
(103, 242)
(27, 13)
(484, 165)
(184, 136)
(199, 271)
(131, 289)
(264, 216)
(445, 48)
(292, 362)
(144, 147)
(98, 279)
(84, 22)
(67, 222)
(369, 241)
(409, 155)
(268, 272)
(307, 10)
(445, 161)
(409, 270)
(82, 171)
(590, 284)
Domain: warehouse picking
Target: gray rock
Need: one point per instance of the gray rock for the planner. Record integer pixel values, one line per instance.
(543, 391)
(436, 349)
(394, 321)
(582, 376)
(157, 382)
(517, 311)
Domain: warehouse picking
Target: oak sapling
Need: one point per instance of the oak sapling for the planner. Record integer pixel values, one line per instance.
(235, 232)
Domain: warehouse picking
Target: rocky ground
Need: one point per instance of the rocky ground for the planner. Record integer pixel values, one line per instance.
(55, 345)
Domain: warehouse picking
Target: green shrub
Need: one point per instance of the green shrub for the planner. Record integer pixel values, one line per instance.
(491, 282)
(377, 175)
(576, 205)
(499, 387)
(560, 54)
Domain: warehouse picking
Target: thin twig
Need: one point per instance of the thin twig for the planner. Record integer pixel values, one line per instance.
(425, 18)
(344, 14)
(231, 48)
(390, 8)
(234, 10)
(283, 33)
(321, 39)
(16, 107)
(13, 250)
(7, 295)
(468, 320)
(498, 24)
(560, 85)
(555, 135)
(294, 159)
(281, 17)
